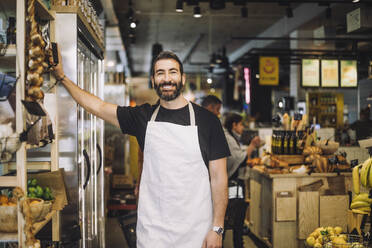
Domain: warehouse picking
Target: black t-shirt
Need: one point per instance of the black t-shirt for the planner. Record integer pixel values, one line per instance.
(212, 141)
(363, 129)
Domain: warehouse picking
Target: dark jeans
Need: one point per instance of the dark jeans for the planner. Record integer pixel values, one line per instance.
(235, 215)
(240, 209)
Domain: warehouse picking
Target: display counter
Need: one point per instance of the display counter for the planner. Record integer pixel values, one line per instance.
(282, 213)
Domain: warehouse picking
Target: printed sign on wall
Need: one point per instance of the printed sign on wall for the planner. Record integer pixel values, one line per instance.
(269, 71)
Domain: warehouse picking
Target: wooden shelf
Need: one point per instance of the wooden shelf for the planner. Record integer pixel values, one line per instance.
(42, 11)
(8, 63)
(37, 226)
(8, 237)
(8, 181)
(34, 165)
(11, 51)
(76, 10)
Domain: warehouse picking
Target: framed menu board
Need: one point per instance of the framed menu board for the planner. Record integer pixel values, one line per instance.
(349, 73)
(310, 73)
(329, 73)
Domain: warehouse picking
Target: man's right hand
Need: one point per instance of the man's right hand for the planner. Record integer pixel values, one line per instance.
(58, 69)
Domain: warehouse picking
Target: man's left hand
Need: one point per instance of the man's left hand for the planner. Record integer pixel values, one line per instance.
(212, 240)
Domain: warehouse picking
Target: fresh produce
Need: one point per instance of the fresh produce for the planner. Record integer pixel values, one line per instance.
(330, 237)
(361, 204)
(6, 201)
(365, 178)
(363, 197)
(356, 179)
(36, 191)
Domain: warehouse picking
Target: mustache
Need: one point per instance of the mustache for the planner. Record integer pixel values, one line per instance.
(168, 84)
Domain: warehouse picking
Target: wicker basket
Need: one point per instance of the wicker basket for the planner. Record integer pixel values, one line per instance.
(36, 208)
(47, 207)
(8, 219)
(328, 148)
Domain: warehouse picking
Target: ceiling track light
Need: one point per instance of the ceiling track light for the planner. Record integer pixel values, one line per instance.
(355, 1)
(289, 12)
(244, 12)
(133, 24)
(197, 13)
(179, 6)
(329, 12)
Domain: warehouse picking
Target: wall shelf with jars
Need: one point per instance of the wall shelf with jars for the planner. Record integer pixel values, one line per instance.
(325, 108)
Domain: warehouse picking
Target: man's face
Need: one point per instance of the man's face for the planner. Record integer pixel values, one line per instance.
(215, 109)
(167, 80)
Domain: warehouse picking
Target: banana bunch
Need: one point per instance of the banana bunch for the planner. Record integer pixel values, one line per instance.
(365, 176)
(361, 204)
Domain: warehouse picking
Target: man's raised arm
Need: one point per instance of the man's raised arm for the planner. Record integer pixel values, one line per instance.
(90, 102)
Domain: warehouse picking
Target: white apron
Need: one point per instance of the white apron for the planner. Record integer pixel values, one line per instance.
(175, 203)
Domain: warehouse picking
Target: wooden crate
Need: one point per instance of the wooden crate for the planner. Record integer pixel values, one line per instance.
(333, 210)
(285, 207)
(308, 213)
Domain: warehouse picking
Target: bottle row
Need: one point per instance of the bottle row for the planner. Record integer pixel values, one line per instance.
(285, 142)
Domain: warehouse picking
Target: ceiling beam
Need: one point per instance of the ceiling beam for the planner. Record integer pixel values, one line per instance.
(193, 47)
(284, 2)
(110, 15)
(301, 15)
(286, 38)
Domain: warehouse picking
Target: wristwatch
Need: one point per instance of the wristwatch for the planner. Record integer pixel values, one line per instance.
(219, 230)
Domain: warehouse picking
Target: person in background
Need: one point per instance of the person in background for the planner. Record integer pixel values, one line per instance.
(233, 127)
(213, 104)
(363, 126)
(183, 185)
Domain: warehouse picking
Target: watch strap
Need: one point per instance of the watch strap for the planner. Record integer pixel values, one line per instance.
(217, 229)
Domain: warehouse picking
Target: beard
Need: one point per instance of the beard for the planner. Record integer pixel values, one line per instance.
(168, 95)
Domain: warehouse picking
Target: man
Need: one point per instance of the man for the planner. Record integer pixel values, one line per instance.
(363, 126)
(213, 104)
(183, 190)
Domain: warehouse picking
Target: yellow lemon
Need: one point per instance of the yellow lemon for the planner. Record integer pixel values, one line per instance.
(317, 245)
(314, 234)
(343, 236)
(310, 241)
(338, 230)
(319, 240)
(330, 230)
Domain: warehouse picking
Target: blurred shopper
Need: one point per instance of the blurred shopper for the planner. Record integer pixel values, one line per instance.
(213, 104)
(363, 126)
(183, 188)
(237, 206)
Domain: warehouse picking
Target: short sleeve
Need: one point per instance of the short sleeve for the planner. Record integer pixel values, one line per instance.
(217, 141)
(133, 120)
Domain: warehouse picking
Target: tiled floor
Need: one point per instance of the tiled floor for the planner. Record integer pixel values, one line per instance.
(115, 237)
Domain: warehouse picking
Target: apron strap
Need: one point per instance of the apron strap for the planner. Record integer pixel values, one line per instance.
(192, 115)
(191, 111)
(153, 117)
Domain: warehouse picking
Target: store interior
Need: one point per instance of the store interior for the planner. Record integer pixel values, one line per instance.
(298, 72)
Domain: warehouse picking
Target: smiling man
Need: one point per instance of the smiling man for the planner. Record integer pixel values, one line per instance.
(183, 188)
